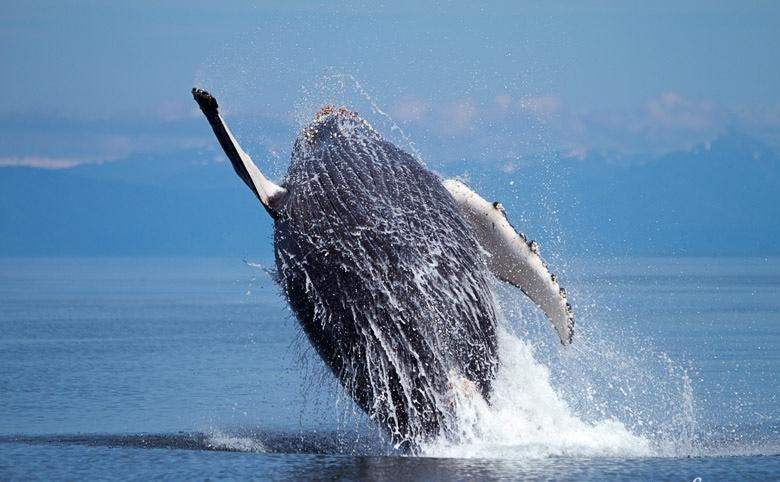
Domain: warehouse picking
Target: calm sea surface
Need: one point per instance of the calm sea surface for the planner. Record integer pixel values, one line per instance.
(195, 368)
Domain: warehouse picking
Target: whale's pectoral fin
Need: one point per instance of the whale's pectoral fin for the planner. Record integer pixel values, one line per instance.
(512, 259)
(271, 195)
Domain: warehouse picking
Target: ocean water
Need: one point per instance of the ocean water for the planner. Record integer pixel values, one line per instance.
(194, 368)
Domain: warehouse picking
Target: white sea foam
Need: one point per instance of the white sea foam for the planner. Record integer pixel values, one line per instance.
(526, 418)
(219, 440)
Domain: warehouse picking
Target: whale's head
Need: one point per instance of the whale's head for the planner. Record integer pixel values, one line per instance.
(331, 125)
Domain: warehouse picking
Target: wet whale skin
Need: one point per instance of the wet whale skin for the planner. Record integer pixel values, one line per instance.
(384, 276)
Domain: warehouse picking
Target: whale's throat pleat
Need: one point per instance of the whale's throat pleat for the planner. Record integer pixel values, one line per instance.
(384, 276)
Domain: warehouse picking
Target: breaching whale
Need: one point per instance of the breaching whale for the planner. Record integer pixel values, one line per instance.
(388, 269)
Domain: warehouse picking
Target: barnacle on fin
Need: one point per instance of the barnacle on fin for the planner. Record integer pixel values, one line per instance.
(570, 331)
(500, 207)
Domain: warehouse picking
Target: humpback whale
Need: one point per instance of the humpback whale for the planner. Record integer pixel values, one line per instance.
(388, 269)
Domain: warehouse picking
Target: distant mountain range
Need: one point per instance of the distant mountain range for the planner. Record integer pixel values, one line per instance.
(718, 199)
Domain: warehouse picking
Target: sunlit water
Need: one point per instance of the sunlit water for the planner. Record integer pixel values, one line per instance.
(195, 368)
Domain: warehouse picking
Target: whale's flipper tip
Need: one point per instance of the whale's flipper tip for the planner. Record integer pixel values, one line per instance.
(206, 102)
(270, 195)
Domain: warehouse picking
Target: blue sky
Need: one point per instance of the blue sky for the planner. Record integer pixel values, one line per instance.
(90, 81)
(619, 127)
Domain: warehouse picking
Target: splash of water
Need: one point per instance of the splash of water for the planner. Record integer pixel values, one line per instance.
(526, 418)
(219, 440)
(344, 89)
(609, 394)
(596, 399)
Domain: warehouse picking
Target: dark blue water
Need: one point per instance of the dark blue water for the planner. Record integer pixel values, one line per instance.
(194, 368)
